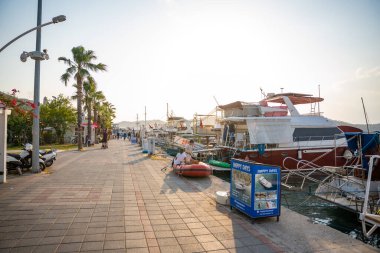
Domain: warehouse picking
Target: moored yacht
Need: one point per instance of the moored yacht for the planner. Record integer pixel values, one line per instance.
(273, 131)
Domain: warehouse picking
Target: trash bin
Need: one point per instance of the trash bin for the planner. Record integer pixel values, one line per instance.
(151, 145)
(145, 145)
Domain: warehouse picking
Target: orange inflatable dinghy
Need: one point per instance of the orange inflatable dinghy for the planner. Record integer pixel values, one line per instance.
(193, 170)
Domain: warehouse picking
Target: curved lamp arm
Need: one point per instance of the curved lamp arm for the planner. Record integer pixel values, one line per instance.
(57, 19)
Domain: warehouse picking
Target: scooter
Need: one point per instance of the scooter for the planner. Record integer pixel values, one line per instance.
(14, 163)
(25, 158)
(49, 156)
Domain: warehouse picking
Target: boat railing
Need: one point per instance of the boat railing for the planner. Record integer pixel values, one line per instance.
(365, 217)
(338, 185)
(307, 164)
(305, 170)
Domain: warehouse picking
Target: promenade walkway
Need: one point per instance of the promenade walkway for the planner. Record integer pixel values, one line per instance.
(118, 200)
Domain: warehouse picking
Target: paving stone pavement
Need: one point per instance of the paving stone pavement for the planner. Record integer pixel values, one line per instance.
(118, 200)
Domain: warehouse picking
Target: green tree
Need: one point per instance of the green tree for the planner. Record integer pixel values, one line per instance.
(21, 119)
(106, 115)
(19, 128)
(79, 69)
(59, 114)
(92, 99)
(97, 98)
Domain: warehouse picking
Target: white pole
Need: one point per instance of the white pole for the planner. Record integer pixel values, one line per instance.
(3, 141)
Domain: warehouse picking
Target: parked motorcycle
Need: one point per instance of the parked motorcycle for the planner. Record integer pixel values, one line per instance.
(49, 156)
(14, 163)
(23, 160)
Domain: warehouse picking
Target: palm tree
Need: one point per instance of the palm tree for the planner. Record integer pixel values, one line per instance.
(107, 114)
(89, 87)
(79, 69)
(98, 97)
(92, 100)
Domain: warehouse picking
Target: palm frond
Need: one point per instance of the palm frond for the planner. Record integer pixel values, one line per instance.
(71, 70)
(65, 78)
(78, 53)
(95, 67)
(65, 60)
(90, 55)
(83, 73)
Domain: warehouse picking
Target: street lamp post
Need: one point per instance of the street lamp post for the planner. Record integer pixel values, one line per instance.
(37, 56)
(54, 20)
(36, 101)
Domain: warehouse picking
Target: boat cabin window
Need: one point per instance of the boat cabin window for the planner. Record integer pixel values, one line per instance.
(316, 134)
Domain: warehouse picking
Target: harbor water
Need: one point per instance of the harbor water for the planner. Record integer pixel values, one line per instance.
(320, 211)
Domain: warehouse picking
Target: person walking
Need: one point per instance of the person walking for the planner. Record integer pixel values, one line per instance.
(105, 139)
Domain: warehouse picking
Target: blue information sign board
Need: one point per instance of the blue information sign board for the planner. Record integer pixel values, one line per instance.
(255, 188)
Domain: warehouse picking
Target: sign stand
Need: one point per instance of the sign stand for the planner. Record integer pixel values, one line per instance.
(255, 189)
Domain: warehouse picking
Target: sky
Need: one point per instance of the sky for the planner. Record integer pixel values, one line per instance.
(190, 55)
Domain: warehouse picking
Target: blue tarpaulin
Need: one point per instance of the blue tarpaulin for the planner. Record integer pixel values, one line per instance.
(367, 140)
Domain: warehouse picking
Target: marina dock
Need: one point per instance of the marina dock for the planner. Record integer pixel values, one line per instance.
(119, 200)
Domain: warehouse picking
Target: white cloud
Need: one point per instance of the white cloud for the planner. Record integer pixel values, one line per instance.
(362, 73)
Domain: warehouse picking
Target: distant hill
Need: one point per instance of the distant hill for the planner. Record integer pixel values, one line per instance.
(133, 124)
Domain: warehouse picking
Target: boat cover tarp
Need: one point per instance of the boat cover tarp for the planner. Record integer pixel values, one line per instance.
(368, 141)
(269, 130)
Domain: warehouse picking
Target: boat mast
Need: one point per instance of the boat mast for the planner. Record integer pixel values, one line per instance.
(319, 96)
(365, 115)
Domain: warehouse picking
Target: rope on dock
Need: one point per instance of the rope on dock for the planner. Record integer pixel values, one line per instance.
(158, 157)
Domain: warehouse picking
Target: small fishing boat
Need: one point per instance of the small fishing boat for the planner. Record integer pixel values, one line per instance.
(193, 170)
(265, 182)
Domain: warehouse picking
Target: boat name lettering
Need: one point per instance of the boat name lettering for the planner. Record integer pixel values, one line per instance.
(242, 167)
(246, 168)
(267, 171)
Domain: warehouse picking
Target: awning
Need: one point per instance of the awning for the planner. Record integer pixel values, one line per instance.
(295, 98)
